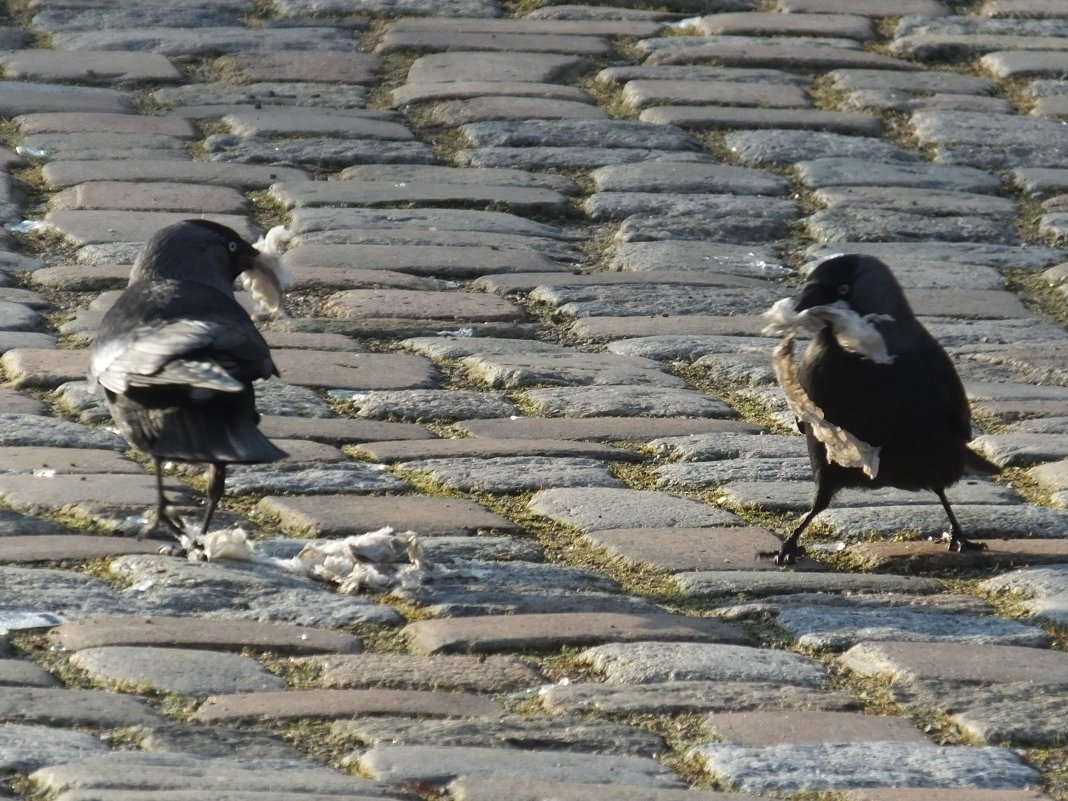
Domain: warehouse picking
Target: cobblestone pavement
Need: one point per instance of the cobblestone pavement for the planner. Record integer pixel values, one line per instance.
(531, 245)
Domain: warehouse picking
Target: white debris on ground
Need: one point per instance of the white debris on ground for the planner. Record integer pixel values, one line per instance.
(267, 280)
(377, 561)
(855, 334)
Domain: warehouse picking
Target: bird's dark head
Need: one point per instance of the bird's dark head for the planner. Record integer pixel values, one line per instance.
(863, 283)
(195, 250)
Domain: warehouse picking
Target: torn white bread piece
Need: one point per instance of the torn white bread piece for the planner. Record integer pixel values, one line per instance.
(267, 280)
(853, 332)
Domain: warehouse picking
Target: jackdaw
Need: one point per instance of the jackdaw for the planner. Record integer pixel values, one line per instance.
(177, 354)
(877, 397)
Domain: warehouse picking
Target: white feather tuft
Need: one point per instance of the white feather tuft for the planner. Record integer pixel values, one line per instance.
(267, 280)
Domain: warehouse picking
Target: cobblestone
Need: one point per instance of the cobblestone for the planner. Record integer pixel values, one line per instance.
(531, 247)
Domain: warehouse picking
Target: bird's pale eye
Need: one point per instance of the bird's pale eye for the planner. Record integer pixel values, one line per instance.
(843, 290)
(232, 246)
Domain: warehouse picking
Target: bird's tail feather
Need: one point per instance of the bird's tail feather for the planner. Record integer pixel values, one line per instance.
(194, 436)
(976, 465)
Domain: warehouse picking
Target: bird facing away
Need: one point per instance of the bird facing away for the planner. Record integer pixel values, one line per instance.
(176, 356)
(906, 402)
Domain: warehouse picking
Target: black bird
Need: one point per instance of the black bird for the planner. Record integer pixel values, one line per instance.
(177, 354)
(911, 407)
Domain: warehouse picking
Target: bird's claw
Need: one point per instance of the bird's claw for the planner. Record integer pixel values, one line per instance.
(961, 545)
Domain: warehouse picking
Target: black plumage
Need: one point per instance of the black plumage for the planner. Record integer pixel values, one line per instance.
(176, 356)
(913, 409)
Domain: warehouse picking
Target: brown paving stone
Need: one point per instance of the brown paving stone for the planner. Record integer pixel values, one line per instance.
(342, 515)
(460, 90)
(412, 304)
(17, 99)
(810, 726)
(82, 122)
(491, 633)
(927, 555)
(89, 67)
(485, 674)
(423, 40)
(850, 26)
(678, 549)
(510, 107)
(643, 93)
(152, 196)
(188, 632)
(311, 341)
(406, 450)
(61, 174)
(295, 65)
(302, 450)
(466, 788)
(942, 794)
(529, 200)
(601, 328)
(70, 547)
(1053, 475)
(867, 8)
(44, 367)
(339, 430)
(24, 459)
(720, 117)
(990, 304)
(624, 429)
(81, 277)
(358, 278)
(483, 66)
(443, 260)
(86, 227)
(795, 57)
(343, 704)
(16, 403)
(1023, 8)
(957, 662)
(341, 370)
(526, 282)
(588, 27)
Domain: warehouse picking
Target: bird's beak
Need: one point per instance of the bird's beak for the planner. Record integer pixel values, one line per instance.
(812, 294)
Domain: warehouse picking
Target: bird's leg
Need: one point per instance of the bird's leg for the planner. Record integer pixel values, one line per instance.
(787, 554)
(957, 540)
(160, 515)
(216, 484)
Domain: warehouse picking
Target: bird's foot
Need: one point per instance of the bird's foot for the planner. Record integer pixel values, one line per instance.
(164, 519)
(784, 556)
(962, 544)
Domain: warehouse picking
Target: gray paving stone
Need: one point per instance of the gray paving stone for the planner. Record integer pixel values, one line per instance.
(482, 65)
(625, 401)
(241, 591)
(32, 430)
(758, 583)
(641, 94)
(639, 299)
(623, 74)
(134, 771)
(61, 174)
(612, 26)
(1022, 450)
(833, 171)
(533, 157)
(311, 479)
(727, 445)
(596, 509)
(432, 404)
(58, 19)
(917, 201)
(679, 178)
(315, 152)
(394, 41)
(792, 768)
(440, 764)
(444, 261)
(692, 256)
(282, 65)
(569, 369)
(687, 348)
(1024, 63)
(460, 448)
(215, 741)
(765, 24)
(311, 94)
(914, 663)
(702, 475)
(578, 133)
(151, 196)
(506, 474)
(202, 41)
(283, 121)
(124, 69)
(789, 52)
(83, 227)
(779, 728)
(837, 628)
(307, 221)
(677, 548)
(177, 670)
(482, 673)
(1021, 257)
(711, 207)
(27, 748)
(22, 673)
(74, 708)
(728, 117)
(788, 147)
(458, 175)
(59, 594)
(990, 141)
(341, 515)
(1044, 590)
(83, 123)
(849, 224)
(981, 520)
(688, 696)
(508, 731)
(649, 662)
